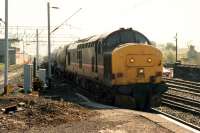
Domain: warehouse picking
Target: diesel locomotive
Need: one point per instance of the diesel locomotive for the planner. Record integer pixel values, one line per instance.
(120, 67)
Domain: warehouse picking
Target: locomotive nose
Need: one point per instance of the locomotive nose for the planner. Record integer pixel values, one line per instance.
(137, 63)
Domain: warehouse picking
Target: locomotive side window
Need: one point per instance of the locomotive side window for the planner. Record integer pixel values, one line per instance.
(69, 62)
(77, 55)
(99, 49)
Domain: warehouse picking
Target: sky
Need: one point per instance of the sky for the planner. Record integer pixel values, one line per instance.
(159, 20)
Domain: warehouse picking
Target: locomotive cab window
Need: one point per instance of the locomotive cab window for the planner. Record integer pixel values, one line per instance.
(140, 38)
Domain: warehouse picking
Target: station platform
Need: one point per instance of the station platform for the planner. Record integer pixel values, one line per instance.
(115, 120)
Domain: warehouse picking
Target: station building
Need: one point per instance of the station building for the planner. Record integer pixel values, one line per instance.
(12, 51)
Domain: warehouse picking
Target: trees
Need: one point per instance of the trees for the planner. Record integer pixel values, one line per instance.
(192, 55)
(169, 53)
(170, 46)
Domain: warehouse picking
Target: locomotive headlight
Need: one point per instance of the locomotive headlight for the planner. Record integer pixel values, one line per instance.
(149, 60)
(132, 60)
(141, 71)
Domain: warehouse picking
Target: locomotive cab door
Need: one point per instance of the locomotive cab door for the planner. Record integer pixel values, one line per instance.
(107, 59)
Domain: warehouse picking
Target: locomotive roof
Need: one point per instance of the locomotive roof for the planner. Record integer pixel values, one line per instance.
(100, 37)
(94, 38)
(89, 40)
(103, 37)
(73, 46)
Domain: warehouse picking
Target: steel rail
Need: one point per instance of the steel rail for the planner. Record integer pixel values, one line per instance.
(175, 118)
(180, 106)
(192, 85)
(181, 81)
(184, 91)
(183, 87)
(184, 100)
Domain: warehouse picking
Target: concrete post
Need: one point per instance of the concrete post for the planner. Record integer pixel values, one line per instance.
(28, 70)
(6, 47)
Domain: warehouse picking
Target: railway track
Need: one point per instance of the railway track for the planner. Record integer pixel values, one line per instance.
(185, 91)
(183, 85)
(181, 106)
(175, 118)
(186, 101)
(181, 101)
(181, 81)
(186, 104)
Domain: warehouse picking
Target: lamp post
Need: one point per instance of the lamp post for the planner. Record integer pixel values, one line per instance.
(49, 43)
(49, 37)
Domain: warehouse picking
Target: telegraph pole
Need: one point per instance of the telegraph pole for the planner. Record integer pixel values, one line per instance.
(6, 48)
(37, 51)
(176, 38)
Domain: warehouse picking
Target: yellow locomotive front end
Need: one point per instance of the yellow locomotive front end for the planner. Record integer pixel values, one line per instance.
(137, 71)
(136, 63)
